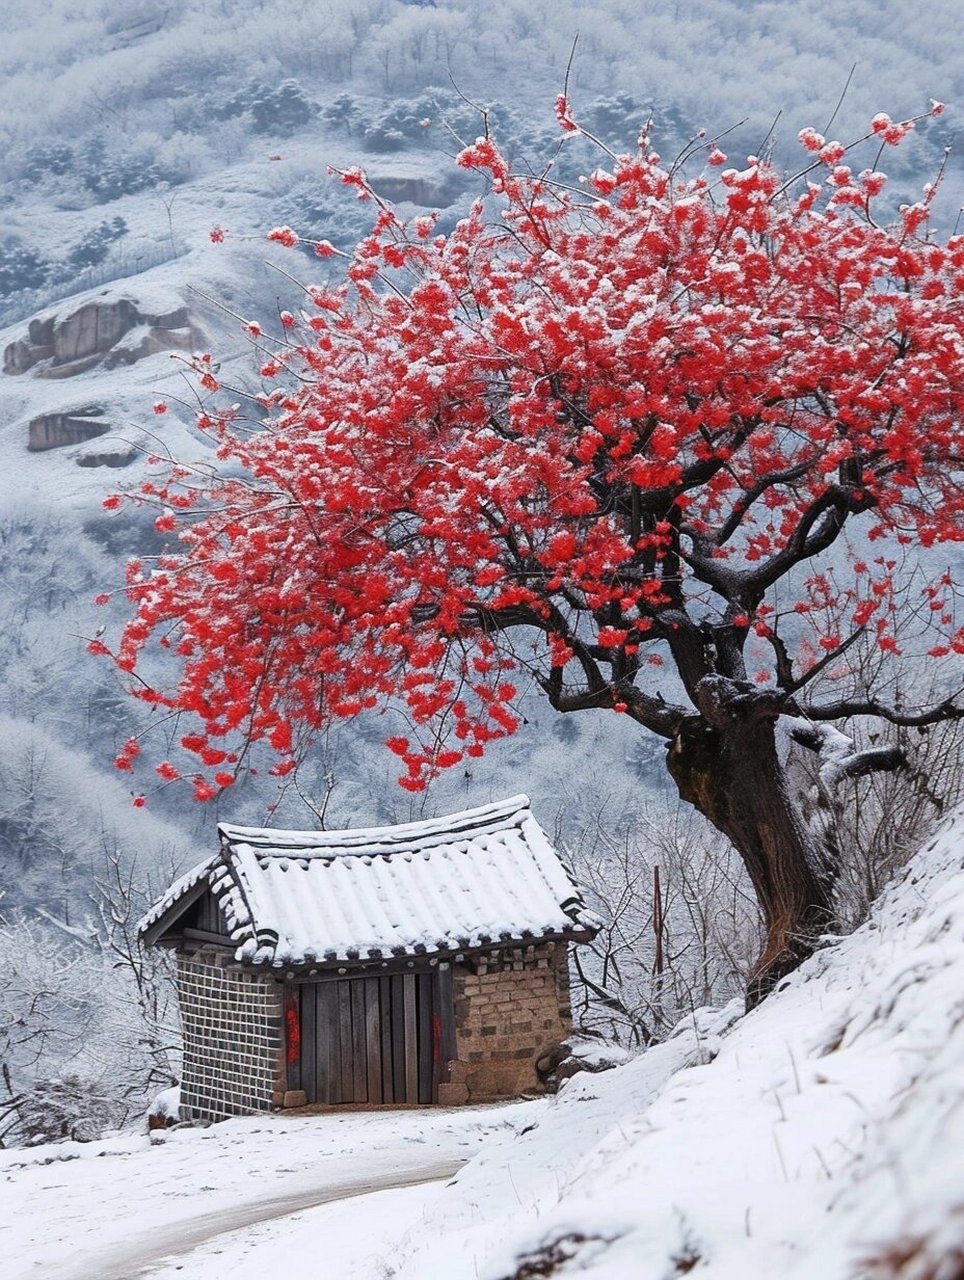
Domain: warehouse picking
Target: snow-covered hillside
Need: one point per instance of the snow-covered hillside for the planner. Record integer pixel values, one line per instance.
(820, 1137)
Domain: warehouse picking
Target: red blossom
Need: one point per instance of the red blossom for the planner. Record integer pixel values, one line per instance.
(831, 153)
(564, 115)
(283, 235)
(890, 131)
(812, 140)
(575, 419)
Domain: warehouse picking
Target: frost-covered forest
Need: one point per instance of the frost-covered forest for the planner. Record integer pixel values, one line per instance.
(115, 101)
(128, 132)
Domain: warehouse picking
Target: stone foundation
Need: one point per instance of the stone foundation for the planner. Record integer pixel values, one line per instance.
(232, 1023)
(508, 1012)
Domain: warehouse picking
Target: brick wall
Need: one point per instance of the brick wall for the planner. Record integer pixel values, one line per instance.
(507, 1014)
(233, 1037)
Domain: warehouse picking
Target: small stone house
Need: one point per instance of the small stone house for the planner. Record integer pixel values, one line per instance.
(416, 964)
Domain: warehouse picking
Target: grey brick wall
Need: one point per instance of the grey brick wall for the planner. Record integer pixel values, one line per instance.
(233, 1038)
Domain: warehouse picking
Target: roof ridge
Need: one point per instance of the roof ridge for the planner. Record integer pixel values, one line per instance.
(234, 880)
(281, 840)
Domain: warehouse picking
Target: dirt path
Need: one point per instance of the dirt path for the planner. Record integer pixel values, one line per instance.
(141, 1254)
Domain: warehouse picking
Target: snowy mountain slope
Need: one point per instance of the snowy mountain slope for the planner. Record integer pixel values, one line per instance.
(822, 1136)
(136, 66)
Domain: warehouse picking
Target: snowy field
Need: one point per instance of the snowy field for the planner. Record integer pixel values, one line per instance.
(819, 1138)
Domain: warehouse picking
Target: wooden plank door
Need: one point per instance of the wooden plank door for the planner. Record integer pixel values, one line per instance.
(367, 1040)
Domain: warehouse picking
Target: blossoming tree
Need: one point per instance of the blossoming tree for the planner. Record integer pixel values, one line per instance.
(602, 440)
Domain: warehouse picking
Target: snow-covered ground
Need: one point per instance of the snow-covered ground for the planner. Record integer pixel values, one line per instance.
(820, 1137)
(107, 1210)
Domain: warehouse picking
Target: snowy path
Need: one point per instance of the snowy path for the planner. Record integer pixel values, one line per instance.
(125, 1208)
(157, 1247)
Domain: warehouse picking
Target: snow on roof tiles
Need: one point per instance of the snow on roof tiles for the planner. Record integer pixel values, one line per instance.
(469, 880)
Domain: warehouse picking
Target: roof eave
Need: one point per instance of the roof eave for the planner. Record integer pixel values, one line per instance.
(436, 954)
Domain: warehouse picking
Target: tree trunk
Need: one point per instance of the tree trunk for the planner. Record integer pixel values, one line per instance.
(732, 773)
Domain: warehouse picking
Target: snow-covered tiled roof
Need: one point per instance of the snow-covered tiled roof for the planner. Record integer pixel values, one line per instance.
(473, 879)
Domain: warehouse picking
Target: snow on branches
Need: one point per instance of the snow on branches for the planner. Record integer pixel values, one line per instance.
(613, 418)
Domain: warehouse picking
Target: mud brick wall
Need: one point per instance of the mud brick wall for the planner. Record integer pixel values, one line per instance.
(233, 1037)
(507, 1014)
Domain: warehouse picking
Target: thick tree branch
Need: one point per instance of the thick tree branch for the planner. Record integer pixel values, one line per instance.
(742, 505)
(846, 761)
(847, 707)
(817, 529)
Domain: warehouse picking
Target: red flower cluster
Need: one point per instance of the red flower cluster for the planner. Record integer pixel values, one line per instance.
(592, 420)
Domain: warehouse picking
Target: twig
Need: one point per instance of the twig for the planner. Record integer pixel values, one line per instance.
(826, 127)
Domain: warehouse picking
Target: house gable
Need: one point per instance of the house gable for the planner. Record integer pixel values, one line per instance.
(196, 914)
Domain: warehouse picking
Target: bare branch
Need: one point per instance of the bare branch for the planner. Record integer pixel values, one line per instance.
(847, 707)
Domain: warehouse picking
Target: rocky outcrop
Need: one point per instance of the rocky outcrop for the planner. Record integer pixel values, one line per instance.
(132, 27)
(413, 189)
(37, 345)
(54, 430)
(77, 426)
(108, 331)
(121, 456)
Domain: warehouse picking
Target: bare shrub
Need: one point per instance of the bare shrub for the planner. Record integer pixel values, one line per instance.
(876, 821)
(681, 926)
(935, 1256)
(87, 1025)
